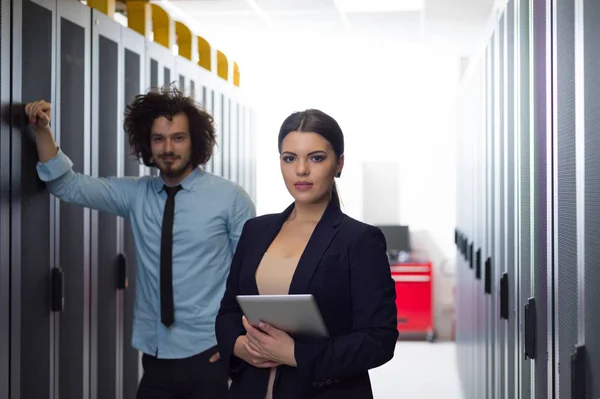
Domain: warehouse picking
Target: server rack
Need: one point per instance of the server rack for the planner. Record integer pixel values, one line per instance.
(226, 134)
(506, 283)
(107, 229)
(218, 155)
(234, 142)
(565, 196)
(33, 323)
(5, 174)
(208, 99)
(586, 357)
(72, 228)
(524, 186)
(243, 145)
(187, 73)
(135, 82)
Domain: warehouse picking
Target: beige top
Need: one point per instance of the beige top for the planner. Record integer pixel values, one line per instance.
(273, 277)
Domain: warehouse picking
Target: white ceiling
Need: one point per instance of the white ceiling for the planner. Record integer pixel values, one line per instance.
(456, 23)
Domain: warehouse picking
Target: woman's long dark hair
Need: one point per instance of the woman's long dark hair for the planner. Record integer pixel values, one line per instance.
(315, 121)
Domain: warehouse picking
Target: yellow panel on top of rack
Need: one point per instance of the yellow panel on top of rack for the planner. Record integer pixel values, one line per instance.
(184, 40)
(162, 27)
(139, 17)
(104, 6)
(204, 54)
(236, 74)
(222, 65)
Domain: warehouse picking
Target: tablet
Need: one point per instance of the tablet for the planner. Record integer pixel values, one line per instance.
(295, 314)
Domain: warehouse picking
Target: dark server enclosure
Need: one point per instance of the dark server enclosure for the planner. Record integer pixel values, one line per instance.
(72, 129)
(106, 229)
(586, 363)
(5, 112)
(134, 83)
(538, 237)
(565, 197)
(68, 273)
(34, 328)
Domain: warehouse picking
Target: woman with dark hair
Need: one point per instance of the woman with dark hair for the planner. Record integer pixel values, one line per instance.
(310, 248)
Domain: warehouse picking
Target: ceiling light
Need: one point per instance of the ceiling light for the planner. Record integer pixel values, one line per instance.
(349, 6)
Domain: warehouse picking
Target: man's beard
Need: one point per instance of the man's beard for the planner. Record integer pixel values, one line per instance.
(173, 172)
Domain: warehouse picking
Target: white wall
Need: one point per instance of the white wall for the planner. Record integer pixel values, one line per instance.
(381, 192)
(397, 105)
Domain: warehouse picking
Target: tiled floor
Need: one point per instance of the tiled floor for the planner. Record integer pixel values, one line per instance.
(419, 370)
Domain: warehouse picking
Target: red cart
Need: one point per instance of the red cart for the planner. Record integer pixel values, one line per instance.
(414, 299)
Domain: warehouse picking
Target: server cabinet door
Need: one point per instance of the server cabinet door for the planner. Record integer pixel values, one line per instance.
(524, 176)
(499, 261)
(187, 75)
(208, 100)
(589, 146)
(73, 130)
(541, 186)
(253, 138)
(160, 68)
(507, 279)
(490, 243)
(5, 11)
(217, 164)
(134, 83)
(107, 159)
(226, 133)
(243, 143)
(234, 128)
(565, 197)
(33, 361)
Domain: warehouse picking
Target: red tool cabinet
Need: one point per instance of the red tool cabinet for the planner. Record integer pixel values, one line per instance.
(414, 299)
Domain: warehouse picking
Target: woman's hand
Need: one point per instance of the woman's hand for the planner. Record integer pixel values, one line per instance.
(272, 344)
(239, 350)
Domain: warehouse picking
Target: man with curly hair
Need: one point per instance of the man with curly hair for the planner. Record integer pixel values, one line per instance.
(186, 224)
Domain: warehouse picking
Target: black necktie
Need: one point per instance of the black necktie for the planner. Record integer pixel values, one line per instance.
(167, 315)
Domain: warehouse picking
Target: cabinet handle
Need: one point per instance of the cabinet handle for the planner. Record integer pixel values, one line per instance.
(478, 265)
(122, 282)
(578, 373)
(57, 301)
(504, 296)
(471, 259)
(488, 276)
(530, 329)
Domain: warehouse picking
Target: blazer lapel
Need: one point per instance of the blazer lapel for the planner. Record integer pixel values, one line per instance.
(318, 243)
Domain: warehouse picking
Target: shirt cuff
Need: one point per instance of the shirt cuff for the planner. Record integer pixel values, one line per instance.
(55, 167)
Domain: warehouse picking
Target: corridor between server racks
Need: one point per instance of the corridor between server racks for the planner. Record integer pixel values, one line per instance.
(528, 217)
(67, 274)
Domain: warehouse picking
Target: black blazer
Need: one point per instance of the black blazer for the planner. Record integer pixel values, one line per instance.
(345, 267)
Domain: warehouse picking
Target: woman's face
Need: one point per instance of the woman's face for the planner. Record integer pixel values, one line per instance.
(308, 166)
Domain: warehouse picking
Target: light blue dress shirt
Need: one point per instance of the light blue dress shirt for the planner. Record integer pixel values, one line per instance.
(209, 215)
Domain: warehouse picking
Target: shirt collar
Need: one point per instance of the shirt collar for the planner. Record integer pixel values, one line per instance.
(187, 183)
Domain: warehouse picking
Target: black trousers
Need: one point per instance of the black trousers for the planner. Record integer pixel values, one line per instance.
(190, 378)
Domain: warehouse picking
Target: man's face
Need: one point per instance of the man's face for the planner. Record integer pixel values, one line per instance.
(171, 145)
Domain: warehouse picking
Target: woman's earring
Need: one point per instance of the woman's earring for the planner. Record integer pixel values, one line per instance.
(339, 174)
